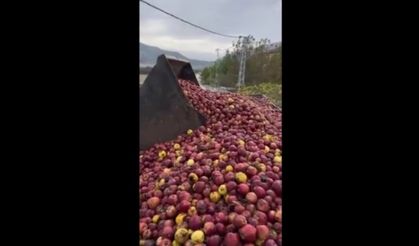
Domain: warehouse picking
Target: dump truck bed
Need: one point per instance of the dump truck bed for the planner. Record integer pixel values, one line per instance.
(165, 112)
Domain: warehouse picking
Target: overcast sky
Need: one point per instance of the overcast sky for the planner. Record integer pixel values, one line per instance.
(260, 18)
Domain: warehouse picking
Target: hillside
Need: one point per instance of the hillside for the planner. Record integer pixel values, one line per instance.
(263, 71)
(149, 54)
(263, 64)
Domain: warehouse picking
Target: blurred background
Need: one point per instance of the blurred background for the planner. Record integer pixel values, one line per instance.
(232, 45)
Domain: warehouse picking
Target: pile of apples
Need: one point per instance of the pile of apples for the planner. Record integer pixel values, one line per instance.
(220, 184)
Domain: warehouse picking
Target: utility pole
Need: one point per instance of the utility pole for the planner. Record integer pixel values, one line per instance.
(216, 66)
(242, 64)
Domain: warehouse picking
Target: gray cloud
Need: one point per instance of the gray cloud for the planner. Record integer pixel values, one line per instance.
(260, 18)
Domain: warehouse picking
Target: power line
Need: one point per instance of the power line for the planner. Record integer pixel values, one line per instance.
(187, 22)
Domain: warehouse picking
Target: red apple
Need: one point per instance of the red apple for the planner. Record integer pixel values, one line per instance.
(239, 221)
(232, 239)
(248, 233)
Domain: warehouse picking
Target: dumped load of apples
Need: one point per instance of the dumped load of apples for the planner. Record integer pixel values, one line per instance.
(220, 184)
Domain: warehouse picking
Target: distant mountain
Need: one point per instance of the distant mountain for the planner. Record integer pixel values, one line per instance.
(149, 54)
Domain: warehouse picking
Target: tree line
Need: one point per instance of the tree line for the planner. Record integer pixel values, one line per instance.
(263, 65)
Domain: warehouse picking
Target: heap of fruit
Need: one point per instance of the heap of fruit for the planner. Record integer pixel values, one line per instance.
(219, 184)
